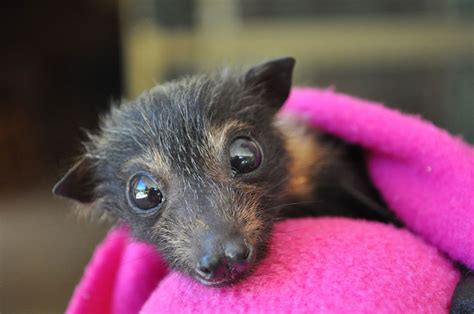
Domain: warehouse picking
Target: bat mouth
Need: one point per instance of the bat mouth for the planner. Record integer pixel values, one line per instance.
(215, 283)
(223, 282)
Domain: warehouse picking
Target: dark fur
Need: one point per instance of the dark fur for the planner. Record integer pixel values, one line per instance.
(179, 132)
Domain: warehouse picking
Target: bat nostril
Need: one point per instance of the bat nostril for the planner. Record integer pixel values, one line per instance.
(248, 253)
(237, 251)
(207, 266)
(204, 270)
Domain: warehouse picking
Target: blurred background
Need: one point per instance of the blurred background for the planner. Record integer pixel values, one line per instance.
(62, 63)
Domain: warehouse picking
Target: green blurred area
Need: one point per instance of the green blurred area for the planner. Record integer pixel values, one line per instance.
(63, 63)
(415, 55)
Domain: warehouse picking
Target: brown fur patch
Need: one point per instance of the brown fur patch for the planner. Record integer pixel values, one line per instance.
(307, 156)
(151, 160)
(247, 215)
(216, 140)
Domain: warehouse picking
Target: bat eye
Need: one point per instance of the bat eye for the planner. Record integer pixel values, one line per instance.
(144, 192)
(245, 155)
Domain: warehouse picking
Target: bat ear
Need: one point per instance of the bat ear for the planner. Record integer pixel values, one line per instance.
(78, 183)
(272, 80)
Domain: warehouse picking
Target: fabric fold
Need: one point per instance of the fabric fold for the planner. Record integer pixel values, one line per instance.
(328, 265)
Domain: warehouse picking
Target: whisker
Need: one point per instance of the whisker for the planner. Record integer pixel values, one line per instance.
(294, 203)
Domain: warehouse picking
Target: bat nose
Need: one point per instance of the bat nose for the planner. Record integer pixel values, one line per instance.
(233, 259)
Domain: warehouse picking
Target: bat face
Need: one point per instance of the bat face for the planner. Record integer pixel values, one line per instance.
(195, 167)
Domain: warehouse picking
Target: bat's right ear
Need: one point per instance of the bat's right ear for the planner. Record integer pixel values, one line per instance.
(272, 80)
(78, 183)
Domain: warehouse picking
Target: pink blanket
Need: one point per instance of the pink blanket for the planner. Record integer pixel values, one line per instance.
(327, 265)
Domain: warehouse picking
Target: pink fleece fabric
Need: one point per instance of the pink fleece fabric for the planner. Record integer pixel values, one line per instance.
(327, 265)
(424, 174)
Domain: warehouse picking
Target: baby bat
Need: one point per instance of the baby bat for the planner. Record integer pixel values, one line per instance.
(202, 167)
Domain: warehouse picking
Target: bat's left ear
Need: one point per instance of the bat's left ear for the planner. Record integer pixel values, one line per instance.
(272, 80)
(78, 183)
